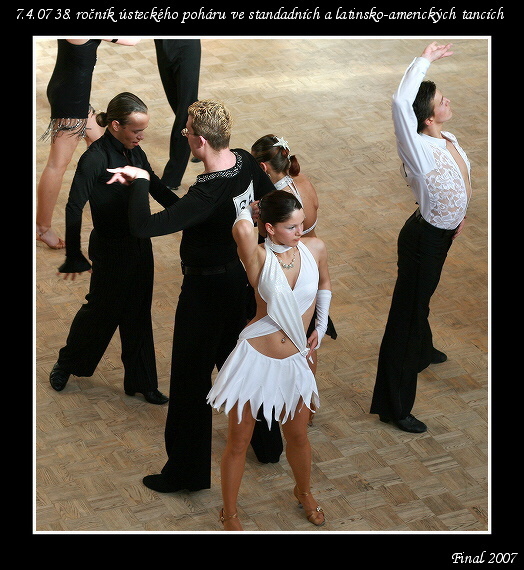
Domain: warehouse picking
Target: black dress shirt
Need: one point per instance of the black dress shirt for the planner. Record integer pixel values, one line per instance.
(206, 213)
(108, 202)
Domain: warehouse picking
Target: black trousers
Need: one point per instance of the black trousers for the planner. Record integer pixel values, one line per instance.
(407, 344)
(120, 295)
(210, 315)
(179, 67)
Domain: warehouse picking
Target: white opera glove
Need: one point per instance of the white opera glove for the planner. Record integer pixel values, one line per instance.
(245, 214)
(322, 306)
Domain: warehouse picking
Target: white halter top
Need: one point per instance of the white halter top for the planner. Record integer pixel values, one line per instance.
(288, 181)
(285, 306)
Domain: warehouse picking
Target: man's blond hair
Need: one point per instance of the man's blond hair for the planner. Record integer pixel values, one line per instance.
(212, 121)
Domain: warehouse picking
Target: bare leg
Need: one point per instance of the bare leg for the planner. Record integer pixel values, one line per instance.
(60, 154)
(233, 462)
(93, 130)
(298, 453)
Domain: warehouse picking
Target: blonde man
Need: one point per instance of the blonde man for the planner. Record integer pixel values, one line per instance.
(212, 307)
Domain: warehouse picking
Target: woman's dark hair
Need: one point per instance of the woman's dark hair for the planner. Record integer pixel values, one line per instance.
(277, 206)
(264, 150)
(119, 109)
(424, 105)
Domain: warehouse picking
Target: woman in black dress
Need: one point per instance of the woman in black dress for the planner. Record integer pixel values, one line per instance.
(72, 118)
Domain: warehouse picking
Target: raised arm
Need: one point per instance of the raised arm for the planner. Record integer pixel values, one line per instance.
(246, 239)
(414, 154)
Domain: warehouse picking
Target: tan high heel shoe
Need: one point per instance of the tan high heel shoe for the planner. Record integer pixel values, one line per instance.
(223, 517)
(60, 244)
(312, 516)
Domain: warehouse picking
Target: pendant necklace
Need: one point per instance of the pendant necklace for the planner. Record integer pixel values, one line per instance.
(278, 248)
(287, 265)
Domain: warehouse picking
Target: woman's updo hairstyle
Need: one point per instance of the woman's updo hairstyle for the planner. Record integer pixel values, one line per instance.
(119, 109)
(268, 149)
(277, 206)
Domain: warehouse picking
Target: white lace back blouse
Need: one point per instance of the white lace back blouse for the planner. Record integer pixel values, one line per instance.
(428, 167)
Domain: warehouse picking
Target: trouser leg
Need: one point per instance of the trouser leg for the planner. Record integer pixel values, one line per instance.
(88, 338)
(267, 442)
(96, 321)
(188, 428)
(120, 293)
(407, 345)
(209, 317)
(179, 68)
(136, 329)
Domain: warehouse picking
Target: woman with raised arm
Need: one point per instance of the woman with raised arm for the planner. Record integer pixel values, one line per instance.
(269, 366)
(276, 160)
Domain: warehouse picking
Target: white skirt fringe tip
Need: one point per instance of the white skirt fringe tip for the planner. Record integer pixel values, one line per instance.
(249, 376)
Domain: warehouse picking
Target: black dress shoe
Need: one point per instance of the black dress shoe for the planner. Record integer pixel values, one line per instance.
(159, 483)
(438, 357)
(409, 423)
(153, 397)
(58, 378)
(195, 159)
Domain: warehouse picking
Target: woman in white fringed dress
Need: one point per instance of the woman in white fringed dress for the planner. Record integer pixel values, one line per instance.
(269, 365)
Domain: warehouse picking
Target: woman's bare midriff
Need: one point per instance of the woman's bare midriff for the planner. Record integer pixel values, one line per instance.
(277, 344)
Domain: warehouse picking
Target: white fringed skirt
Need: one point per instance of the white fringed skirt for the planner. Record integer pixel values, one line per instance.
(249, 376)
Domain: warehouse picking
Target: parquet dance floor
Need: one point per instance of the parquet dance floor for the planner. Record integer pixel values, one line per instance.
(330, 99)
